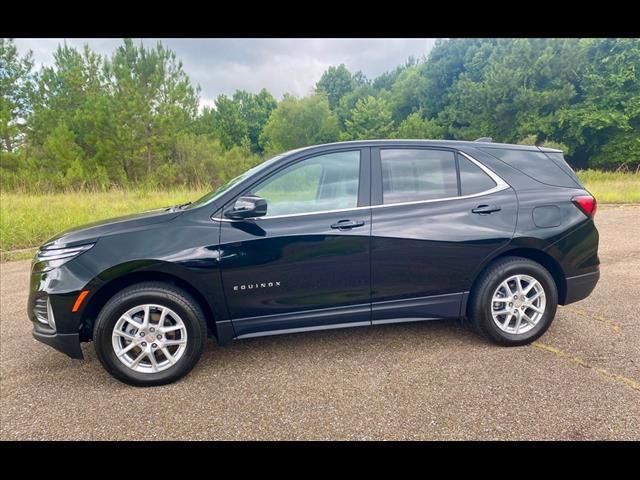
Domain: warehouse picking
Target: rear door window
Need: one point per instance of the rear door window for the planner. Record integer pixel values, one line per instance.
(410, 175)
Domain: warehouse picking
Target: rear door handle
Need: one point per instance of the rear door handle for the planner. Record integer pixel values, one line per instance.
(486, 209)
(347, 224)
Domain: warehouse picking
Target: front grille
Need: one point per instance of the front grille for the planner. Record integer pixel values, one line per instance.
(43, 312)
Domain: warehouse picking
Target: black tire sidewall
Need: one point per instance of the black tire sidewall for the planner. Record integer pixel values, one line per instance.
(181, 305)
(482, 302)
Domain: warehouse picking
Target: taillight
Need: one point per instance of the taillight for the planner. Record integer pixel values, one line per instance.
(587, 204)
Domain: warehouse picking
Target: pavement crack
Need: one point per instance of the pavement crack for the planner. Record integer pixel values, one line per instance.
(556, 351)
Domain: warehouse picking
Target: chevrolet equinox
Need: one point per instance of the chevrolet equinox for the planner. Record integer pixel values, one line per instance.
(330, 236)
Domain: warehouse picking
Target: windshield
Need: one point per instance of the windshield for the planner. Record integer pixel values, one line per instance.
(215, 193)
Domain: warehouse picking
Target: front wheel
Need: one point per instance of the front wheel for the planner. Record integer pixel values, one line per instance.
(150, 334)
(514, 301)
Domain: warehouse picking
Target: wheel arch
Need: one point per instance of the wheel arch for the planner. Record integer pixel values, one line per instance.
(537, 255)
(107, 290)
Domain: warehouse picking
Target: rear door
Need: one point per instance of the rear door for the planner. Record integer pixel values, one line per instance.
(436, 215)
(306, 264)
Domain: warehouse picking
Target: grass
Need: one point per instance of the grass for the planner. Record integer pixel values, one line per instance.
(27, 220)
(612, 187)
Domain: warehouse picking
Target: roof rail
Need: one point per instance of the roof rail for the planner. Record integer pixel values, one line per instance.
(484, 139)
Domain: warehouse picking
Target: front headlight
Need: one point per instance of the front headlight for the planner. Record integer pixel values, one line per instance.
(46, 260)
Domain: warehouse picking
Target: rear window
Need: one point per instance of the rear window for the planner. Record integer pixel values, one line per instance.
(538, 165)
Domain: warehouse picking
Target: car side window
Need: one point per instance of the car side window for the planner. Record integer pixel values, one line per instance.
(472, 178)
(410, 175)
(324, 182)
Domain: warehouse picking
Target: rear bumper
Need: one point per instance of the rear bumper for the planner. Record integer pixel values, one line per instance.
(67, 343)
(580, 286)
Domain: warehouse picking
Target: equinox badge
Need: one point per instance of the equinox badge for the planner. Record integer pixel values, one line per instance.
(256, 286)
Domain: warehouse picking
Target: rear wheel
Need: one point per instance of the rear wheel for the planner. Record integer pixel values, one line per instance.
(514, 301)
(150, 334)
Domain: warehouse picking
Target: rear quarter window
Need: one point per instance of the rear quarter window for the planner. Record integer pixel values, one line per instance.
(538, 165)
(562, 163)
(472, 179)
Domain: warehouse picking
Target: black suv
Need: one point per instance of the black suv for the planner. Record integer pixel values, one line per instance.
(338, 235)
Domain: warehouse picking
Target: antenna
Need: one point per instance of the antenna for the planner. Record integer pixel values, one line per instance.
(484, 139)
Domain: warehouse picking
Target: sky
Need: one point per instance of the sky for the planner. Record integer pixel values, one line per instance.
(281, 65)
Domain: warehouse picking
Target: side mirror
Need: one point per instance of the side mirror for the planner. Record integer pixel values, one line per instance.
(248, 206)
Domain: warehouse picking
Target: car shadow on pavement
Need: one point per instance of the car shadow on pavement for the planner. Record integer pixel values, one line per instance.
(356, 339)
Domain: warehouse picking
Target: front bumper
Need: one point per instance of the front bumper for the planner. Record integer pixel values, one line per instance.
(580, 286)
(60, 287)
(67, 343)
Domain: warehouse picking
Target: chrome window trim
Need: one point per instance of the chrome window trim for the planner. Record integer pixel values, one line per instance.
(500, 185)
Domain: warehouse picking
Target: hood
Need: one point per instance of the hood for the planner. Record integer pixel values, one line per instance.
(93, 231)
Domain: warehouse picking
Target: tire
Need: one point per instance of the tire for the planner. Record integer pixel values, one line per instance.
(490, 282)
(184, 344)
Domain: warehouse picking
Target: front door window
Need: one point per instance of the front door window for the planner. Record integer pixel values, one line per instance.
(322, 183)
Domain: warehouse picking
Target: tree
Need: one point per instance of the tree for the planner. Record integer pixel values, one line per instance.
(446, 61)
(405, 96)
(255, 111)
(205, 123)
(348, 102)
(602, 124)
(298, 123)
(16, 85)
(152, 100)
(371, 119)
(387, 79)
(414, 126)
(335, 83)
(70, 102)
(511, 88)
(231, 128)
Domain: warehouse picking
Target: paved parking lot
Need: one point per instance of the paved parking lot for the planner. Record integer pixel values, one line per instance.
(430, 380)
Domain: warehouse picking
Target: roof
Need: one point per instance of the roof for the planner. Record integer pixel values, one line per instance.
(443, 143)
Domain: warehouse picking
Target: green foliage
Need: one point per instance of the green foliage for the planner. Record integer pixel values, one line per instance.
(534, 140)
(621, 150)
(414, 126)
(131, 118)
(387, 79)
(371, 118)
(122, 114)
(405, 95)
(603, 123)
(298, 122)
(335, 83)
(16, 86)
(347, 103)
(229, 125)
(512, 89)
(255, 111)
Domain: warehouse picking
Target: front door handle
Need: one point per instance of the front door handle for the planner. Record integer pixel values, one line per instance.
(347, 224)
(486, 209)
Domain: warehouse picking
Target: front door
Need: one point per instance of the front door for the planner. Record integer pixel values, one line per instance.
(436, 216)
(305, 265)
